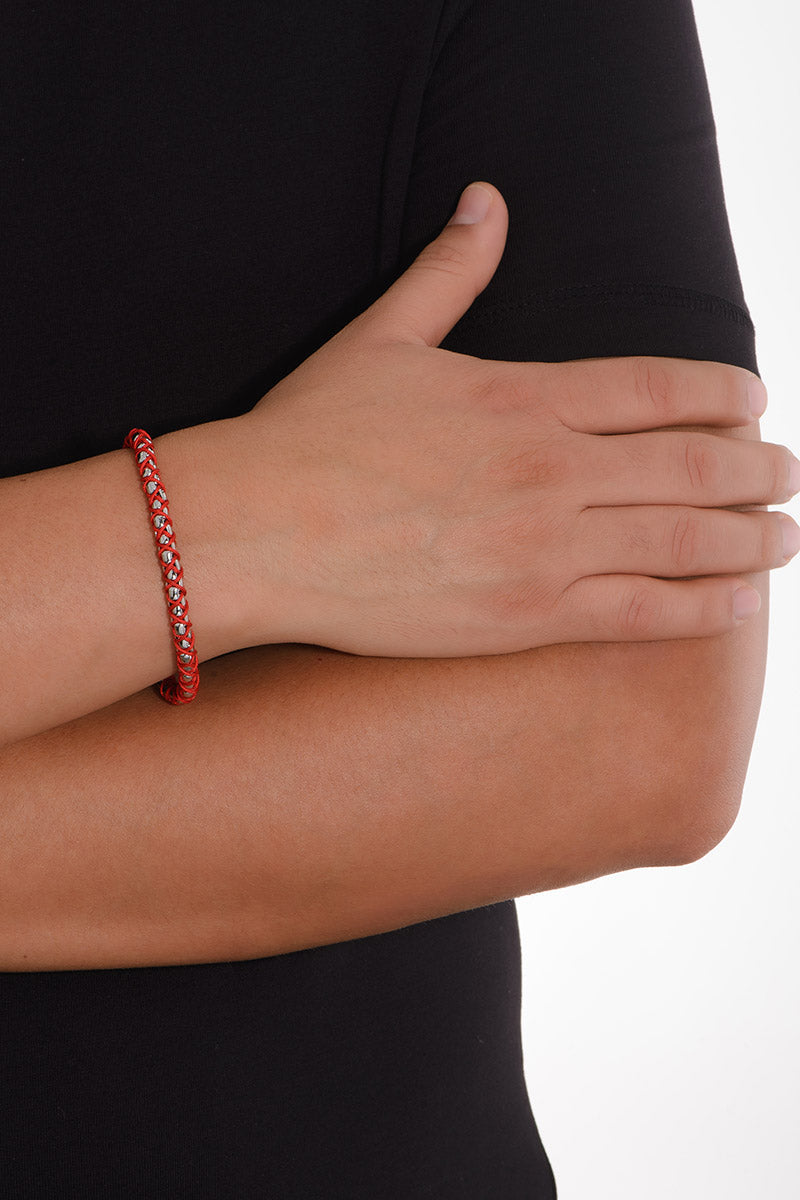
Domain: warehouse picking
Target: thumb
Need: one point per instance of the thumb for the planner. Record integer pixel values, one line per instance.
(429, 298)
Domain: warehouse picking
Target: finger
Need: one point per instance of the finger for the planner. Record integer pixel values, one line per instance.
(699, 469)
(678, 542)
(634, 608)
(626, 395)
(424, 304)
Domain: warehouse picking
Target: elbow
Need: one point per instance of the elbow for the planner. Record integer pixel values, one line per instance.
(702, 752)
(705, 736)
(697, 810)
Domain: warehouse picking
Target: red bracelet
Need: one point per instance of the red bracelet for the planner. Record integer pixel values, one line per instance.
(181, 688)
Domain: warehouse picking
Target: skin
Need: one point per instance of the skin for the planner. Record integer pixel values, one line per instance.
(392, 498)
(312, 794)
(309, 796)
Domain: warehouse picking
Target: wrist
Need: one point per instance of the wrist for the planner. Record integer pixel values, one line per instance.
(204, 468)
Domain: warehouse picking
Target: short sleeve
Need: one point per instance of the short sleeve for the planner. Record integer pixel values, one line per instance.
(595, 123)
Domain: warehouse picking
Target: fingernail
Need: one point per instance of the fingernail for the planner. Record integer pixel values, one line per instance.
(746, 603)
(757, 396)
(790, 533)
(794, 476)
(473, 205)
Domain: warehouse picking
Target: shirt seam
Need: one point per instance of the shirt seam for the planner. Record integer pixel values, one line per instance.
(655, 295)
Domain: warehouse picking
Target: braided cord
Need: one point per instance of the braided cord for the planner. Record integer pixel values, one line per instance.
(182, 687)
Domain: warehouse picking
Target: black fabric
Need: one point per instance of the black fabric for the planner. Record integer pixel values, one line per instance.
(195, 197)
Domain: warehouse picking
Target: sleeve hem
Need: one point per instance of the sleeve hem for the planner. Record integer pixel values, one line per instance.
(623, 294)
(609, 320)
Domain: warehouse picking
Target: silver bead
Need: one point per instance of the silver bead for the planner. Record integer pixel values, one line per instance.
(177, 611)
(146, 473)
(185, 658)
(172, 576)
(184, 644)
(162, 494)
(174, 593)
(180, 628)
(159, 521)
(155, 502)
(151, 487)
(167, 557)
(142, 456)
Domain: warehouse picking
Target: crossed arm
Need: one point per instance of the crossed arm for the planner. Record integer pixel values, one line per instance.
(309, 796)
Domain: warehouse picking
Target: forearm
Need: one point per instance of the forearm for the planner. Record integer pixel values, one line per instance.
(309, 797)
(82, 608)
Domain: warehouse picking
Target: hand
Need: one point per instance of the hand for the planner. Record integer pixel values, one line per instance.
(415, 502)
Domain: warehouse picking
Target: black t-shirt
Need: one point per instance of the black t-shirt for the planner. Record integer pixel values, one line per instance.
(194, 198)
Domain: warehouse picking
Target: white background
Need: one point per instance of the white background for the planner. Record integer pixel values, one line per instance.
(661, 1008)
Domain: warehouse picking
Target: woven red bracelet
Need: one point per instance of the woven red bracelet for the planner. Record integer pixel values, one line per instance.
(181, 688)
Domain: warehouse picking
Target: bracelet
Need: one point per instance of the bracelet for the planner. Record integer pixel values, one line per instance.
(182, 687)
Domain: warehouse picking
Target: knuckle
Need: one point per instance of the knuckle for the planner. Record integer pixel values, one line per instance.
(540, 465)
(685, 544)
(501, 392)
(775, 460)
(640, 613)
(504, 606)
(514, 608)
(444, 255)
(655, 388)
(702, 464)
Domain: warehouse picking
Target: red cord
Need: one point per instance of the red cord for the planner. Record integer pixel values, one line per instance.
(182, 687)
